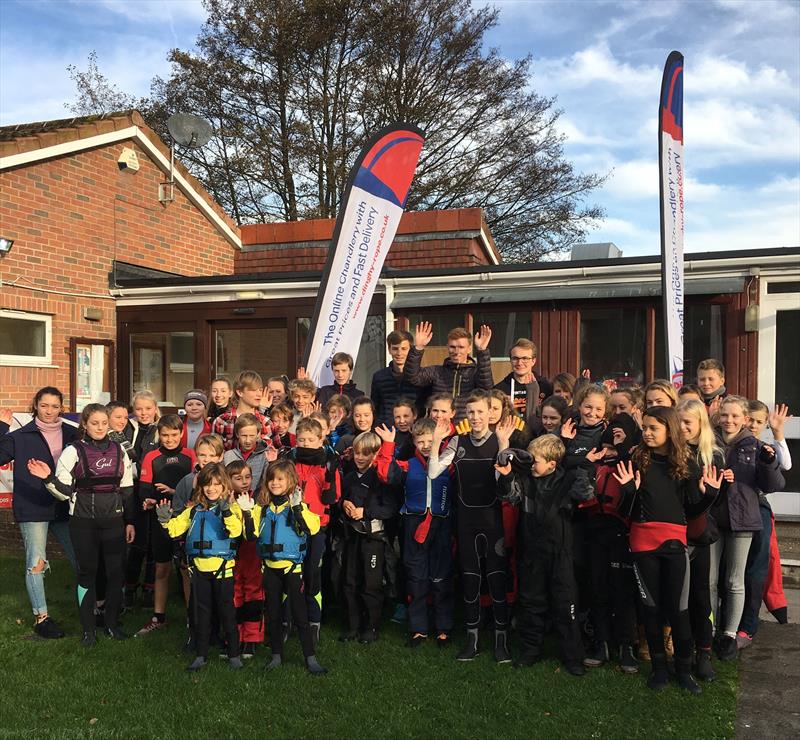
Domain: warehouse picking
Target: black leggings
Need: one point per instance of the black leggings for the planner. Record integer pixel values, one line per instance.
(89, 537)
(210, 594)
(476, 543)
(663, 582)
(276, 583)
(700, 596)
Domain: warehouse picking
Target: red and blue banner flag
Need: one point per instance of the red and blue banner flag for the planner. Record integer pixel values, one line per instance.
(671, 174)
(372, 204)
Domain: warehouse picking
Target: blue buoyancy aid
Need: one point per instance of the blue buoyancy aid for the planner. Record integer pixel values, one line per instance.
(278, 538)
(422, 493)
(207, 536)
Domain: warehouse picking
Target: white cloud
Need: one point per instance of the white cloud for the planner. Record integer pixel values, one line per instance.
(720, 131)
(592, 66)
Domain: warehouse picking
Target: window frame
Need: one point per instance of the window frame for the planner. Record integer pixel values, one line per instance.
(30, 360)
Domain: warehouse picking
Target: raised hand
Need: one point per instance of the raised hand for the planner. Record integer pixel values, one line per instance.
(223, 504)
(271, 454)
(625, 474)
(586, 373)
(777, 420)
(386, 434)
(568, 429)
(441, 431)
(6, 416)
(149, 503)
(711, 478)
(423, 334)
(245, 501)
(163, 513)
(505, 429)
(39, 469)
(483, 337)
(596, 455)
(335, 416)
(637, 416)
(295, 497)
(301, 373)
(619, 435)
(163, 488)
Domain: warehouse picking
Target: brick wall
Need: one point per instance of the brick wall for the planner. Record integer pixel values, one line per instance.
(70, 217)
(454, 238)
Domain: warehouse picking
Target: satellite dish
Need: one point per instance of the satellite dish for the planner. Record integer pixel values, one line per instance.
(189, 130)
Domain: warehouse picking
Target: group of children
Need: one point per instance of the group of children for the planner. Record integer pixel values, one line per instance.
(589, 510)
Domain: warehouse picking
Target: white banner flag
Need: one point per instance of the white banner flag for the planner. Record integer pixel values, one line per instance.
(368, 219)
(671, 172)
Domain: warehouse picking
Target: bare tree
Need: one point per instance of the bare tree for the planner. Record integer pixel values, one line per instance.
(293, 88)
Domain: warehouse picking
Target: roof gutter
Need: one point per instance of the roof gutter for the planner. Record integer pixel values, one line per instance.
(125, 134)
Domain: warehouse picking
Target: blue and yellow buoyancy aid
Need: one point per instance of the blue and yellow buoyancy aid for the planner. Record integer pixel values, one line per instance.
(278, 538)
(208, 536)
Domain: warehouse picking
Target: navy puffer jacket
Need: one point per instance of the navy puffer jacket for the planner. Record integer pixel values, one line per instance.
(458, 379)
(31, 501)
(736, 509)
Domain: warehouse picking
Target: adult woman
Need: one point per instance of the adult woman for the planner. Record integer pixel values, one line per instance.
(35, 510)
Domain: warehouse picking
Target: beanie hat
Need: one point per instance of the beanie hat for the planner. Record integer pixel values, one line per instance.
(196, 395)
(621, 421)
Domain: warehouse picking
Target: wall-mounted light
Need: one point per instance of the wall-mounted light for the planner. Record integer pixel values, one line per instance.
(249, 295)
(5, 246)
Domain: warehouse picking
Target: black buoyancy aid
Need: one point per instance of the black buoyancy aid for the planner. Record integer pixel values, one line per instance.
(208, 537)
(474, 464)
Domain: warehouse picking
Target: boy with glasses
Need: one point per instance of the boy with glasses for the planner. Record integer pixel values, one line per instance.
(521, 385)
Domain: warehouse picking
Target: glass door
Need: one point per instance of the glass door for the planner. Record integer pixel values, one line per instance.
(259, 345)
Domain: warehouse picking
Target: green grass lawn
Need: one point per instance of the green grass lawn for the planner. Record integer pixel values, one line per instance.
(139, 688)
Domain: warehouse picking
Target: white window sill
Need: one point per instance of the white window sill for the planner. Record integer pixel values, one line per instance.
(4, 363)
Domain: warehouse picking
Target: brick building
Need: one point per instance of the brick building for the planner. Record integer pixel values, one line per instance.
(181, 295)
(79, 222)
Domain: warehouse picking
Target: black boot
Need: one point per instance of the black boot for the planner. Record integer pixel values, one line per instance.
(684, 674)
(627, 659)
(702, 667)
(597, 655)
(501, 647)
(470, 651)
(659, 677)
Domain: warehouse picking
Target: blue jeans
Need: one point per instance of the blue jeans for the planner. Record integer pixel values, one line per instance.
(34, 537)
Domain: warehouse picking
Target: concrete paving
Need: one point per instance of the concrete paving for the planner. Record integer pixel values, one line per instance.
(769, 679)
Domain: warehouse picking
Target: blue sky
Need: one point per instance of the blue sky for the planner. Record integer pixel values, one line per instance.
(603, 61)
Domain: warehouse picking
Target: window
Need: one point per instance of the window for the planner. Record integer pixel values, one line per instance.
(702, 338)
(442, 322)
(260, 347)
(163, 362)
(371, 352)
(25, 338)
(613, 344)
(507, 327)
